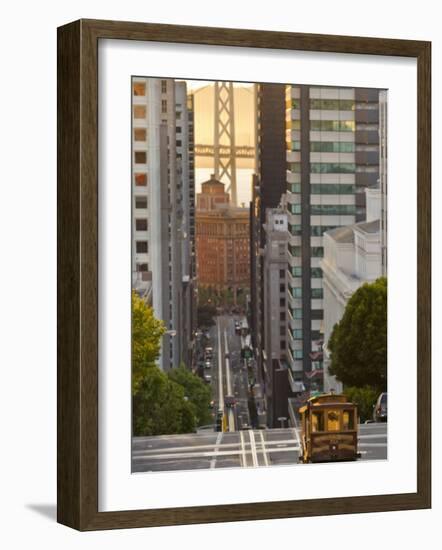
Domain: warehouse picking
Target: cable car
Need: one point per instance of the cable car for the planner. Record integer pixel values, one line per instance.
(329, 425)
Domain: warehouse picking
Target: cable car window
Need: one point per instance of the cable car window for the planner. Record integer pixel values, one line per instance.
(317, 422)
(333, 421)
(348, 420)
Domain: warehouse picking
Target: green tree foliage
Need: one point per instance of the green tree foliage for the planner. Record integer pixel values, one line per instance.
(364, 398)
(358, 343)
(197, 392)
(146, 340)
(160, 407)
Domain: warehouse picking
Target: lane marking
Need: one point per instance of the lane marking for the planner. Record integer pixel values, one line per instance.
(220, 369)
(266, 461)
(172, 456)
(253, 448)
(211, 445)
(217, 444)
(243, 450)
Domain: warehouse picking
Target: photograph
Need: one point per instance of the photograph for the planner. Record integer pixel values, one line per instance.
(258, 274)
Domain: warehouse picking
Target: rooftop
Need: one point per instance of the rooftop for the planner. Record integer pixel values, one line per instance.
(345, 234)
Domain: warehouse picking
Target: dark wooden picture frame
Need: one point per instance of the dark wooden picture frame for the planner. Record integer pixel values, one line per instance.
(77, 459)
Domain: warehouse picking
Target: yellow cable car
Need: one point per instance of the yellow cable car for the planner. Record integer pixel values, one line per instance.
(329, 426)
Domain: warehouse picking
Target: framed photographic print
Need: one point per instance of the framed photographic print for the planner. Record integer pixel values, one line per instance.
(231, 206)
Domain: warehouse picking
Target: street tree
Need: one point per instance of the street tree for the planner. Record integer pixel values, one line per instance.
(146, 340)
(160, 406)
(197, 392)
(358, 343)
(364, 398)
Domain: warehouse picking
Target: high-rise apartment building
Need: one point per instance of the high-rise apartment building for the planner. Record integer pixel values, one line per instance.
(267, 188)
(274, 282)
(185, 203)
(332, 157)
(160, 194)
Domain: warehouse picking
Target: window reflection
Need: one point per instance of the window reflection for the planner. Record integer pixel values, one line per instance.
(333, 421)
(317, 422)
(348, 420)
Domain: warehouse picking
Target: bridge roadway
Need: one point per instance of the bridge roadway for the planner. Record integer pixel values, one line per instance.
(244, 448)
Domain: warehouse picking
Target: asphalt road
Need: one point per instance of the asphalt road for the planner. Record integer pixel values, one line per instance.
(244, 448)
(240, 446)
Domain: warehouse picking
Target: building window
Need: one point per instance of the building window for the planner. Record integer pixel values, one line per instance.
(317, 314)
(164, 86)
(139, 88)
(141, 247)
(294, 187)
(295, 208)
(317, 293)
(332, 104)
(332, 189)
(141, 180)
(317, 251)
(281, 273)
(142, 268)
(296, 292)
(332, 146)
(139, 111)
(282, 302)
(140, 134)
(163, 106)
(297, 314)
(296, 271)
(282, 287)
(282, 331)
(140, 202)
(293, 124)
(297, 334)
(297, 353)
(282, 316)
(282, 344)
(332, 125)
(295, 250)
(332, 168)
(333, 209)
(294, 167)
(141, 224)
(178, 143)
(295, 230)
(316, 273)
(140, 157)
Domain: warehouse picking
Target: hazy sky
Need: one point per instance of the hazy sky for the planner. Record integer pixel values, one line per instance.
(193, 85)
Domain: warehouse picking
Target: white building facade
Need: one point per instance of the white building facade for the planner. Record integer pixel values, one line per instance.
(352, 257)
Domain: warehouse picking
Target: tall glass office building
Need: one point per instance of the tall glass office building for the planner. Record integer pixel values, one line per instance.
(332, 142)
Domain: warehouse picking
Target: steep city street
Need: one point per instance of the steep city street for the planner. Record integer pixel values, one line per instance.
(240, 444)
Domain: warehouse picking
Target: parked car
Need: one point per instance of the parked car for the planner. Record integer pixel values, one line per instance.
(207, 377)
(380, 408)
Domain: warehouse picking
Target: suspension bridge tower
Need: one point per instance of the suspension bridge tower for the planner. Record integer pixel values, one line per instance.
(224, 138)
